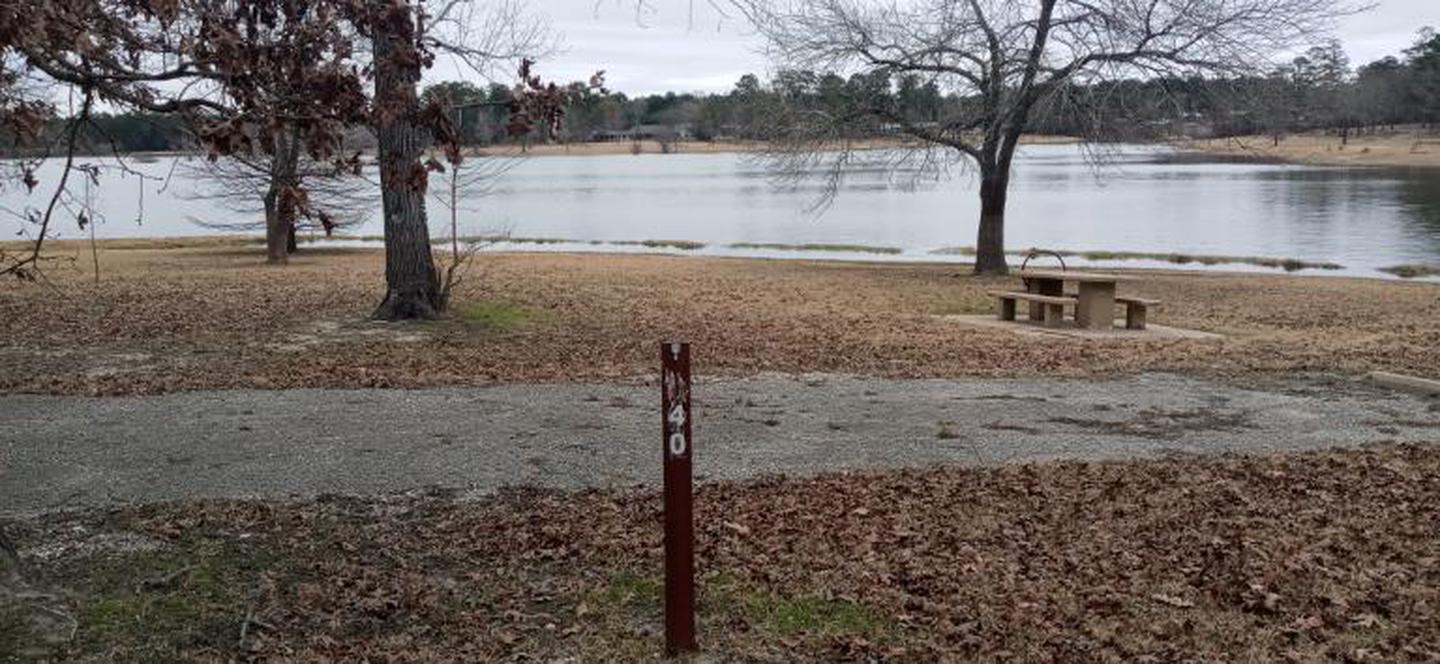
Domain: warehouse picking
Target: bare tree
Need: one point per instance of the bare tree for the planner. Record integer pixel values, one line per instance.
(1000, 59)
(465, 183)
(291, 189)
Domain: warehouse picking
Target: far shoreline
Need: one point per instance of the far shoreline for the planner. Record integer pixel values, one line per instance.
(1393, 149)
(1398, 149)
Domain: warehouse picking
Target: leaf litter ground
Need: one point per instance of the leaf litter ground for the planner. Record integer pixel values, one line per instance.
(1318, 556)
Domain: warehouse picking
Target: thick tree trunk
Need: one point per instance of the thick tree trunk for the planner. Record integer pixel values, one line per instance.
(274, 238)
(990, 244)
(279, 205)
(277, 232)
(412, 283)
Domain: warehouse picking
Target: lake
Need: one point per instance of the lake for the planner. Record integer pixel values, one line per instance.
(1142, 199)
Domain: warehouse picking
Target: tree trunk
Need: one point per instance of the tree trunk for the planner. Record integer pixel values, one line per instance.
(990, 245)
(412, 283)
(274, 232)
(280, 198)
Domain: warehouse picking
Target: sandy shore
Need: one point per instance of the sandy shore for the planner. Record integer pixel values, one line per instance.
(1400, 149)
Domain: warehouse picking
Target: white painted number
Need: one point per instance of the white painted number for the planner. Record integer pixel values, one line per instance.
(677, 430)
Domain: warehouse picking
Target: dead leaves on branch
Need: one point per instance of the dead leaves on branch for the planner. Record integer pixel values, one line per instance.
(1307, 557)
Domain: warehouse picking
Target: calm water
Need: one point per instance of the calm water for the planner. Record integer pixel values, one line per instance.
(1145, 199)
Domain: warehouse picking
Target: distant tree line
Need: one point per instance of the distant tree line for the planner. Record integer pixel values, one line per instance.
(1317, 90)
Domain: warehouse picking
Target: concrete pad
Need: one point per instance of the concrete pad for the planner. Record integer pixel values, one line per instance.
(1152, 332)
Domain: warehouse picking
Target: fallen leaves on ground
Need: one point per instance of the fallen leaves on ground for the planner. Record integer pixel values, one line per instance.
(1319, 556)
(217, 318)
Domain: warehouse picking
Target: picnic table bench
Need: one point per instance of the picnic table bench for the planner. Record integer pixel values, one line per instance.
(1052, 306)
(1094, 300)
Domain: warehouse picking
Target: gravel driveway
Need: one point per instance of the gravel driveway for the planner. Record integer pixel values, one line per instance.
(61, 452)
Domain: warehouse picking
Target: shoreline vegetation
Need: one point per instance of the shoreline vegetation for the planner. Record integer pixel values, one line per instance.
(1286, 264)
(1405, 149)
(1176, 258)
(1403, 271)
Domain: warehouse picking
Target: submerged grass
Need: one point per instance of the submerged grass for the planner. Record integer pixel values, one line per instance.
(1176, 258)
(1412, 271)
(1287, 264)
(858, 248)
(683, 245)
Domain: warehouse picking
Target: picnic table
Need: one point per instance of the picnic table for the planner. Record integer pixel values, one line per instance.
(1094, 299)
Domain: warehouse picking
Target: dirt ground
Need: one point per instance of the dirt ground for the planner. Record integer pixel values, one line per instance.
(1323, 556)
(1405, 149)
(215, 316)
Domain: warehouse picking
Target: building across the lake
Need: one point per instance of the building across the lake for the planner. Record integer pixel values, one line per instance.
(656, 132)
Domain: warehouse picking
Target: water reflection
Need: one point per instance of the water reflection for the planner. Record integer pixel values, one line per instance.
(1126, 198)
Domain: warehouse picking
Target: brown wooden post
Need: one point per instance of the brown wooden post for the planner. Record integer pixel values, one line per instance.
(679, 498)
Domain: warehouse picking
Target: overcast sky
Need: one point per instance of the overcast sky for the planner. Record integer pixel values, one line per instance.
(673, 52)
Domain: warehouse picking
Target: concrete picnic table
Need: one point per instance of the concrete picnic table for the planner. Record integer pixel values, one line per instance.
(1095, 299)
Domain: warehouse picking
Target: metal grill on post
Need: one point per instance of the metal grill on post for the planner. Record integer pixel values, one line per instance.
(679, 524)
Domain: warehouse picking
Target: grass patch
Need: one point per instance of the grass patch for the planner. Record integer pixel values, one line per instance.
(1412, 271)
(170, 604)
(16, 638)
(812, 614)
(500, 316)
(857, 248)
(199, 607)
(724, 594)
(724, 598)
(627, 589)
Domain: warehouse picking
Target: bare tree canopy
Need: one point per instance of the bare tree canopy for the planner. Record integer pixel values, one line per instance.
(1001, 59)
